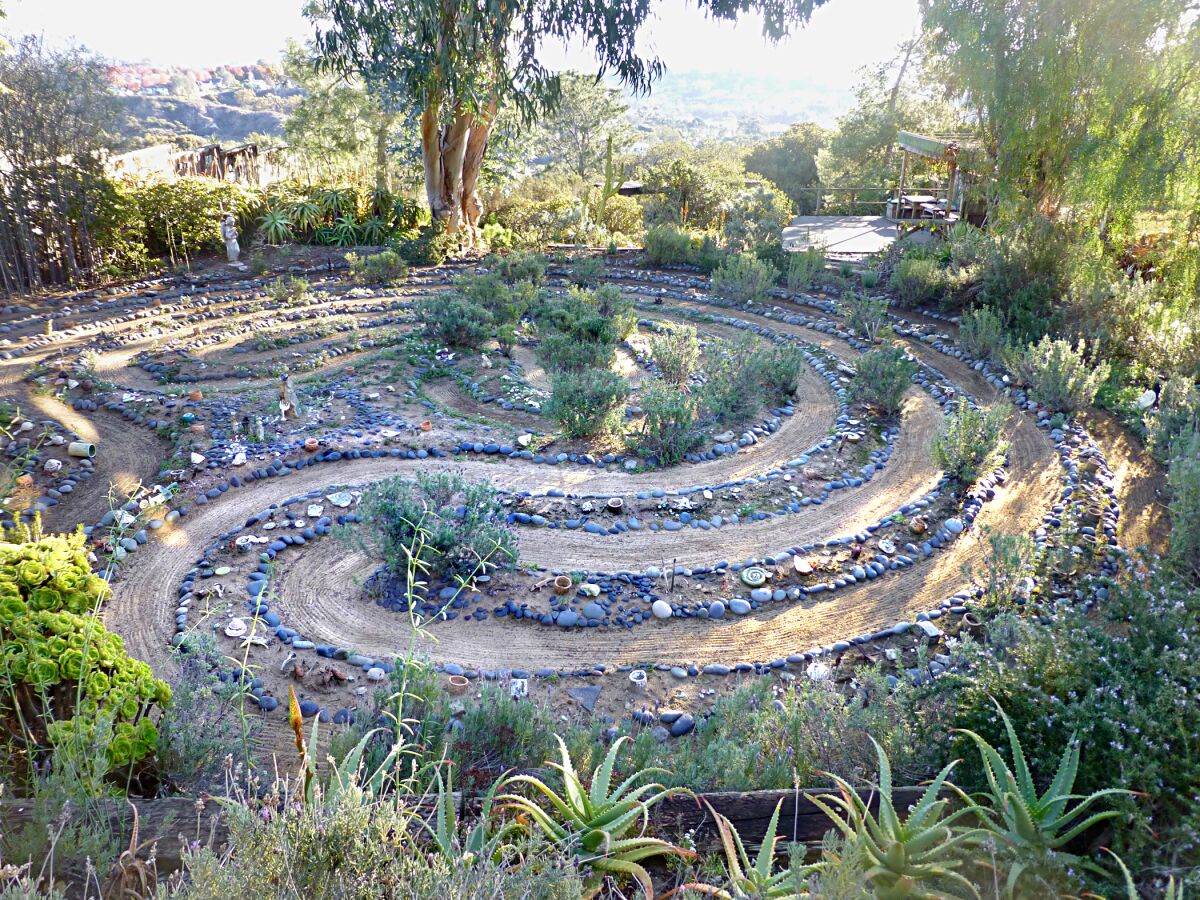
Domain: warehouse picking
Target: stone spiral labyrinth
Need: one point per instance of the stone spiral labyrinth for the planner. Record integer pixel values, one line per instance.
(858, 536)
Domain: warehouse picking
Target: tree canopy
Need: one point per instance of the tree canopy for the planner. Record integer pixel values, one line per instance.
(575, 132)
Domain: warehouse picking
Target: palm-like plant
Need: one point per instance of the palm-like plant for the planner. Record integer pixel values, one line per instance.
(909, 856)
(594, 823)
(373, 231)
(306, 214)
(275, 227)
(381, 201)
(1036, 824)
(757, 879)
(337, 202)
(344, 232)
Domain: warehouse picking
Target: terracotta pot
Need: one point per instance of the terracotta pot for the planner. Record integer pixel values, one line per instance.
(972, 623)
(311, 445)
(562, 584)
(427, 425)
(195, 395)
(457, 684)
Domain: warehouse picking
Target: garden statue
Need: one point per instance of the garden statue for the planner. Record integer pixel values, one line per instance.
(229, 235)
(286, 400)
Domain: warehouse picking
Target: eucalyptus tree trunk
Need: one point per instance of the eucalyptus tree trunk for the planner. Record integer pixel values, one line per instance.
(453, 157)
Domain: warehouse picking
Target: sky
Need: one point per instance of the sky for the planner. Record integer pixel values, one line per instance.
(843, 36)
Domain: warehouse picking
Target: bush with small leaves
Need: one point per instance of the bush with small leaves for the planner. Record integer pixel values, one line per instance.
(668, 431)
(970, 442)
(616, 306)
(882, 378)
(586, 271)
(676, 353)
(982, 334)
(586, 403)
(870, 279)
(803, 268)
(519, 265)
(917, 281)
(61, 670)
(442, 522)
(1175, 418)
(377, 268)
(744, 279)
(454, 320)
(430, 247)
(1184, 481)
(709, 255)
(865, 316)
(667, 245)
(1061, 376)
(777, 371)
(730, 386)
(288, 291)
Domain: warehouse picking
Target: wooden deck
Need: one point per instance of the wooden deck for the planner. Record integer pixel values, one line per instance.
(844, 237)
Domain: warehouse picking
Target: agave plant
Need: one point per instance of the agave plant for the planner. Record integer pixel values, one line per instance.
(337, 202)
(345, 232)
(757, 879)
(594, 824)
(911, 856)
(275, 227)
(381, 201)
(1036, 824)
(373, 231)
(306, 214)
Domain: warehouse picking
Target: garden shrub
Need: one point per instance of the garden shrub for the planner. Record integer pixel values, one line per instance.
(616, 306)
(519, 265)
(586, 271)
(560, 352)
(730, 391)
(61, 671)
(447, 525)
(882, 378)
(917, 281)
(667, 245)
(755, 216)
(969, 443)
(431, 245)
(683, 193)
(497, 237)
(1119, 680)
(623, 216)
(586, 403)
(287, 290)
(803, 268)
(668, 431)
(744, 279)
(777, 370)
(454, 320)
(709, 255)
(376, 268)
(865, 316)
(772, 253)
(1024, 273)
(1059, 375)
(982, 334)
(1176, 416)
(676, 353)
(181, 217)
(1184, 481)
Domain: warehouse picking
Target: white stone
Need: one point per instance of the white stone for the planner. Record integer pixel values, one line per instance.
(315, 510)
(340, 499)
(802, 566)
(198, 459)
(235, 629)
(661, 609)
(52, 466)
(376, 674)
(1147, 400)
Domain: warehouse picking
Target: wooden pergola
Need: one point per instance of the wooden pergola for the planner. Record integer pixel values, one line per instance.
(926, 209)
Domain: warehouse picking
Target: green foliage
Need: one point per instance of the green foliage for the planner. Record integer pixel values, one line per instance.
(586, 271)
(970, 442)
(377, 268)
(803, 268)
(1059, 375)
(668, 430)
(1117, 679)
(744, 279)
(684, 194)
(741, 376)
(1036, 825)
(755, 216)
(981, 334)
(912, 854)
(275, 227)
(288, 290)
(917, 281)
(1004, 571)
(676, 353)
(667, 245)
(790, 161)
(581, 329)
(61, 671)
(438, 522)
(870, 279)
(709, 255)
(430, 247)
(518, 266)
(757, 878)
(603, 826)
(865, 316)
(587, 402)
(1184, 481)
(1176, 416)
(882, 378)
(1023, 276)
(453, 320)
(181, 218)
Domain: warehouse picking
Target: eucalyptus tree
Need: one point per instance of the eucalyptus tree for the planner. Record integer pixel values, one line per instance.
(461, 61)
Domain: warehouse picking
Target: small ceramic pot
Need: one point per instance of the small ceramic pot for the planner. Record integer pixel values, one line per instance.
(972, 623)
(195, 395)
(427, 425)
(562, 584)
(637, 680)
(82, 449)
(615, 504)
(311, 445)
(457, 685)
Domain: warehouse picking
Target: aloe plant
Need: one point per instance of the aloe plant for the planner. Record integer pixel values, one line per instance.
(594, 824)
(757, 879)
(306, 214)
(345, 232)
(275, 227)
(337, 202)
(1035, 824)
(480, 843)
(914, 856)
(374, 230)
